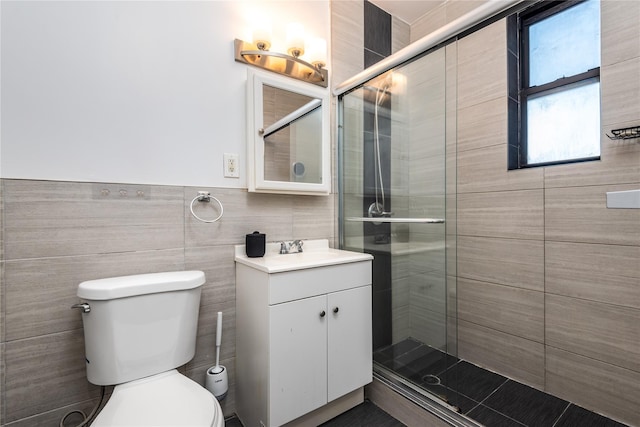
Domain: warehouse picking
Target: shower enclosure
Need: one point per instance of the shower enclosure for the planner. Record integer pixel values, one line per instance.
(393, 205)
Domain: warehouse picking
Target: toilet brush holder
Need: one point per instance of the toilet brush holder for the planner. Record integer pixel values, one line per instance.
(217, 381)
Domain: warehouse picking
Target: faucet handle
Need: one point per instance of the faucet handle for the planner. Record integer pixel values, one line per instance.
(283, 248)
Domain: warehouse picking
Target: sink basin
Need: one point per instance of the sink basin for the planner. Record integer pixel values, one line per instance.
(316, 253)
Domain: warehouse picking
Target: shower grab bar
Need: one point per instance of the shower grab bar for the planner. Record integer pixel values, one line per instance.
(397, 220)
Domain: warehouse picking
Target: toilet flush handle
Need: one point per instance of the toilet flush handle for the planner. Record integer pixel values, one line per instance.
(83, 306)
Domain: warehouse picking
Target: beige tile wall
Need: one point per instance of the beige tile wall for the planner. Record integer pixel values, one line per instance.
(57, 234)
(548, 277)
(347, 59)
(400, 34)
(444, 13)
(2, 316)
(347, 39)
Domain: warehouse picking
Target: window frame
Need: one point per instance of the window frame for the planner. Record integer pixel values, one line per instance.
(525, 19)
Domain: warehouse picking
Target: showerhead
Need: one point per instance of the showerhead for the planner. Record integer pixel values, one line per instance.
(383, 86)
(380, 95)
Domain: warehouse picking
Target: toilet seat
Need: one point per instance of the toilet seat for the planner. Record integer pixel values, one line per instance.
(166, 399)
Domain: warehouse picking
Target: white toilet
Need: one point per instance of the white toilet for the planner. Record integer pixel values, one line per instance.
(138, 330)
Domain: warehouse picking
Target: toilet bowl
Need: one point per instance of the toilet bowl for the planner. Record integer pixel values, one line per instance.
(138, 330)
(166, 399)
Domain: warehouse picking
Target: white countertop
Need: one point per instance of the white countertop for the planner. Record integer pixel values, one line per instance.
(316, 253)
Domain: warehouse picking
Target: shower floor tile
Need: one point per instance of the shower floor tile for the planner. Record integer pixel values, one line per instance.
(489, 417)
(577, 416)
(487, 397)
(472, 381)
(389, 355)
(527, 405)
(425, 360)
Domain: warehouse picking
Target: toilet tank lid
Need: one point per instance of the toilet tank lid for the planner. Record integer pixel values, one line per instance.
(140, 284)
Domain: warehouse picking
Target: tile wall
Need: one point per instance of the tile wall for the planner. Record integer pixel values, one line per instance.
(58, 234)
(347, 43)
(548, 278)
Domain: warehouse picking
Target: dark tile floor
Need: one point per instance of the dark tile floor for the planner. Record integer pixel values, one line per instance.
(232, 422)
(482, 395)
(364, 415)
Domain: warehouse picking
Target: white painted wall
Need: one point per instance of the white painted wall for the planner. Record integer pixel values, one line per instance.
(135, 92)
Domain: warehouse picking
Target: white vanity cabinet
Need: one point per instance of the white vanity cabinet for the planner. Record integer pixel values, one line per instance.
(320, 349)
(303, 337)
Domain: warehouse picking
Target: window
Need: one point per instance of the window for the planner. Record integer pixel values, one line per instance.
(554, 113)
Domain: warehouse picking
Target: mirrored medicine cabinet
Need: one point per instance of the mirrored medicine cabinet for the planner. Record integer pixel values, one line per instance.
(288, 139)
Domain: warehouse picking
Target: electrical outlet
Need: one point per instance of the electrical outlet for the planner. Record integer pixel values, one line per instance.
(231, 165)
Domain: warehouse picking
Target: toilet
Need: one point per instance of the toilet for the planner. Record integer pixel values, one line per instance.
(138, 330)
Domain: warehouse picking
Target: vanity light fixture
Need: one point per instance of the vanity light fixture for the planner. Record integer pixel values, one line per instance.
(291, 64)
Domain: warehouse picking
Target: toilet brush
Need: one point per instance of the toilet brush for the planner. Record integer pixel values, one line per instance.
(217, 381)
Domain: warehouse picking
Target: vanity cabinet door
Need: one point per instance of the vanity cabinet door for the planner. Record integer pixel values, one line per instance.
(297, 358)
(350, 340)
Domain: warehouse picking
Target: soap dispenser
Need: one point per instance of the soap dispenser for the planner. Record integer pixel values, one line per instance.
(255, 244)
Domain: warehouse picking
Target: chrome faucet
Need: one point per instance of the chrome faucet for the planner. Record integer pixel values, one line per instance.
(285, 247)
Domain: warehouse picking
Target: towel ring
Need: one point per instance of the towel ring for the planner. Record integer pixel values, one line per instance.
(205, 196)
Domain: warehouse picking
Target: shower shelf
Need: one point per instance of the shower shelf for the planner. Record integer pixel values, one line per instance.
(625, 133)
(398, 220)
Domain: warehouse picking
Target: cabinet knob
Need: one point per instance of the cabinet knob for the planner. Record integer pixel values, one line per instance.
(336, 309)
(322, 313)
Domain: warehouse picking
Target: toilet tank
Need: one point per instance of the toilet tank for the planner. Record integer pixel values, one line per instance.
(140, 325)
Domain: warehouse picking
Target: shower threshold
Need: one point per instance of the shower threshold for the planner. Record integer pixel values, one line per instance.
(423, 399)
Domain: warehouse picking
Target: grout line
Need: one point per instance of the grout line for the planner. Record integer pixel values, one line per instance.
(449, 367)
(493, 409)
(475, 407)
(563, 412)
(493, 392)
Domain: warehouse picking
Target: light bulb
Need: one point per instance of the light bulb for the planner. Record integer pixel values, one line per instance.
(295, 39)
(262, 36)
(317, 52)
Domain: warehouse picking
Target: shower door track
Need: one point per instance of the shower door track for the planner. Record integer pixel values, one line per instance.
(422, 398)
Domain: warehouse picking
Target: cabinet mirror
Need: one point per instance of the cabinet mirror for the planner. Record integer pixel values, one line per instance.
(288, 146)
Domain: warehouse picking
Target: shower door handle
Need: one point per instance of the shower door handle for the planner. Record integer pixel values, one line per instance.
(397, 220)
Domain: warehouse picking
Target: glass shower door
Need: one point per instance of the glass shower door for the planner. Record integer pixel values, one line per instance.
(393, 205)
